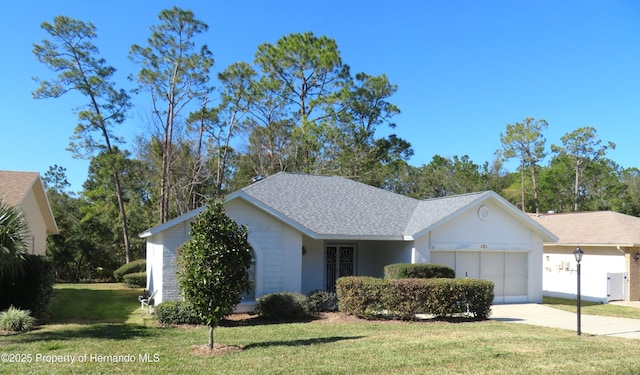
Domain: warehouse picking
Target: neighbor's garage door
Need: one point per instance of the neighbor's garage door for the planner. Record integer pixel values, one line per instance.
(508, 271)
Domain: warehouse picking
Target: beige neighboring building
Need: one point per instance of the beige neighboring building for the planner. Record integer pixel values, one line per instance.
(610, 267)
(26, 191)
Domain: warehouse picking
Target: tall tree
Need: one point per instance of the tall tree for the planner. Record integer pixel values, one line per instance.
(525, 141)
(72, 54)
(583, 147)
(353, 149)
(175, 72)
(306, 71)
(214, 265)
(229, 118)
(101, 203)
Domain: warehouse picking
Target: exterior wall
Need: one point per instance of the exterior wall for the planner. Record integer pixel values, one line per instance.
(373, 256)
(313, 263)
(421, 253)
(154, 266)
(560, 272)
(278, 249)
(162, 248)
(497, 232)
(37, 226)
(633, 271)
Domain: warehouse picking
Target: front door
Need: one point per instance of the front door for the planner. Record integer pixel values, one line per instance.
(340, 262)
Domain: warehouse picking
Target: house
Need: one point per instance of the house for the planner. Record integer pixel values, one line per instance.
(610, 267)
(308, 230)
(26, 191)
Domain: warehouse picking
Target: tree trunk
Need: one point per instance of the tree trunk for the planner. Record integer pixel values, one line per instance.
(535, 189)
(210, 343)
(576, 186)
(522, 186)
(123, 216)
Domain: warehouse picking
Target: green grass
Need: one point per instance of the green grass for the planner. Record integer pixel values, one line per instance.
(95, 303)
(593, 308)
(320, 347)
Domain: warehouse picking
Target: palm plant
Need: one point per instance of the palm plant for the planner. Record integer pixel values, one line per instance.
(13, 245)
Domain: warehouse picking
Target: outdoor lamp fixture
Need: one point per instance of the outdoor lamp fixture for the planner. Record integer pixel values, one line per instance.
(636, 256)
(578, 254)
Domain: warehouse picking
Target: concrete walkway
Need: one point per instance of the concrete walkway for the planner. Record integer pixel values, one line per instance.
(540, 315)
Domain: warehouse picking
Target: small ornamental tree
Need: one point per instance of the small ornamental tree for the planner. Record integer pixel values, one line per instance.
(213, 265)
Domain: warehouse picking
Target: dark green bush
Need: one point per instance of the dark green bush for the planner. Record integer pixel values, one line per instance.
(418, 271)
(32, 290)
(177, 312)
(135, 280)
(135, 266)
(323, 301)
(285, 306)
(368, 297)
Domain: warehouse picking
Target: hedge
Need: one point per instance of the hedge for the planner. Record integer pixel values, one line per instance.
(135, 280)
(177, 312)
(135, 266)
(418, 271)
(369, 297)
(284, 306)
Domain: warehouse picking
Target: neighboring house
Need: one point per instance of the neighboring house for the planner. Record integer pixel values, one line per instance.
(26, 191)
(610, 267)
(307, 231)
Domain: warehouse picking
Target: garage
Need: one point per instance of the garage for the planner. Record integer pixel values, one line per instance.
(507, 270)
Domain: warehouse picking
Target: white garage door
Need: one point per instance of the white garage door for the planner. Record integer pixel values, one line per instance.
(508, 271)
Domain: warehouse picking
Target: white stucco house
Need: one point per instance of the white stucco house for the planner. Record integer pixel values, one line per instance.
(25, 191)
(610, 267)
(309, 230)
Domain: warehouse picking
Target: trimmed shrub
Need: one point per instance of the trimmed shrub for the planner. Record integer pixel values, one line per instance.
(470, 296)
(284, 306)
(32, 290)
(370, 298)
(16, 320)
(323, 301)
(418, 271)
(135, 266)
(177, 312)
(409, 297)
(363, 296)
(480, 297)
(135, 280)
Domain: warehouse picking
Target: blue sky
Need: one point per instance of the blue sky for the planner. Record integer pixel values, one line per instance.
(464, 69)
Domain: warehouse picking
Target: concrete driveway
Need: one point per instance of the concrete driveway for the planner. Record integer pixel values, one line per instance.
(540, 315)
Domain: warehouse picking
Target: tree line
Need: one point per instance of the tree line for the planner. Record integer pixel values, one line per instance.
(296, 107)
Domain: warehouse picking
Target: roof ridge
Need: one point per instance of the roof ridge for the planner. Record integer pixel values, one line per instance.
(455, 196)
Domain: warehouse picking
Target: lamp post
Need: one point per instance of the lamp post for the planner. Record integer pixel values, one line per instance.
(578, 254)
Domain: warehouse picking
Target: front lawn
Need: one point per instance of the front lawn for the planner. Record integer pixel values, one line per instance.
(321, 347)
(593, 308)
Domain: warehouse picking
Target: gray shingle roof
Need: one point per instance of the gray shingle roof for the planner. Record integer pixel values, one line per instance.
(330, 205)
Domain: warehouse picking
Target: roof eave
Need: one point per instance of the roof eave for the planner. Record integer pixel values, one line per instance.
(578, 244)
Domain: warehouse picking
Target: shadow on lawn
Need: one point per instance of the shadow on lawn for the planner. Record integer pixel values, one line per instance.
(321, 340)
(95, 331)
